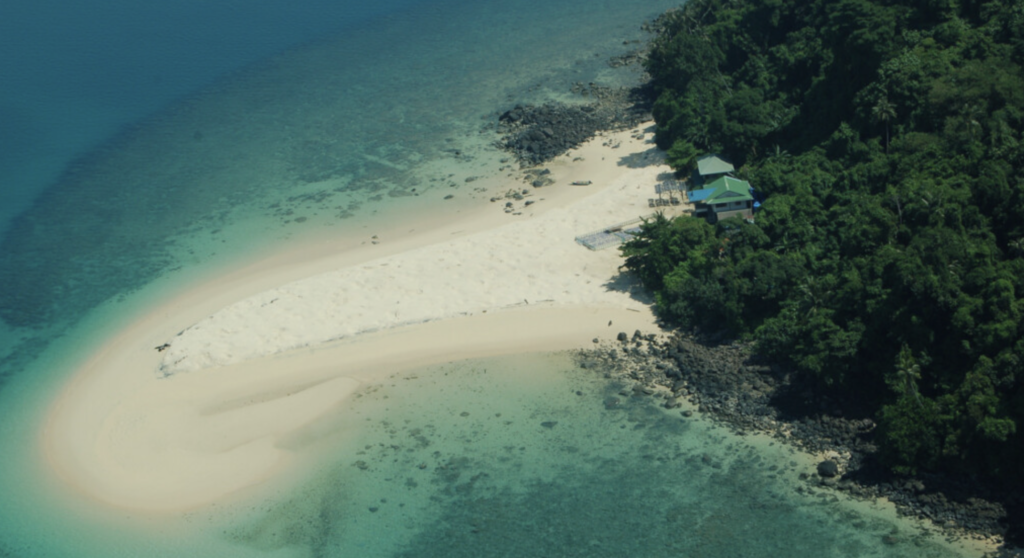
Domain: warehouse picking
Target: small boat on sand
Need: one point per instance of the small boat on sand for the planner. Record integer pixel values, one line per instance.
(582, 183)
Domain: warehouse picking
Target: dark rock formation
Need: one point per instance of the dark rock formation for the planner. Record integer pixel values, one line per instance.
(828, 468)
(730, 385)
(536, 134)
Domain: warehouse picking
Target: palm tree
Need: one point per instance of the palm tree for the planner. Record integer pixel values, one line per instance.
(906, 375)
(1017, 246)
(884, 111)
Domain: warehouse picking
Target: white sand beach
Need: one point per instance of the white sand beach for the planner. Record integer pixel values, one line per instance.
(258, 356)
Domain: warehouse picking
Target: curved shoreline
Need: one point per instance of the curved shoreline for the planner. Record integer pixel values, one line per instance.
(122, 435)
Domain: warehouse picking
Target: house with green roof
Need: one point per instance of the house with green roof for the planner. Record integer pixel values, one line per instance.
(710, 167)
(724, 198)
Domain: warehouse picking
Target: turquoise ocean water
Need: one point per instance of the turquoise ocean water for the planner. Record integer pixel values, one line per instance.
(145, 147)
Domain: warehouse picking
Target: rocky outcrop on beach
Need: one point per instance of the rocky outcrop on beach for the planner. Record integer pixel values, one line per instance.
(536, 134)
(730, 385)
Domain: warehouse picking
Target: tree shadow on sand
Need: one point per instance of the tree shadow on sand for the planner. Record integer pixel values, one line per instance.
(625, 282)
(643, 159)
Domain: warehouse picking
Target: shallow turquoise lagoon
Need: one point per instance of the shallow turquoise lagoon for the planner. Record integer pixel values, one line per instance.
(519, 456)
(356, 126)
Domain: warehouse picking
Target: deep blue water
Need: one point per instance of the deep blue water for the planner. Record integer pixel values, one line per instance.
(143, 145)
(74, 73)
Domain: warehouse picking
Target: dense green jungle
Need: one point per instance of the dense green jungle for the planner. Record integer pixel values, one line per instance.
(885, 266)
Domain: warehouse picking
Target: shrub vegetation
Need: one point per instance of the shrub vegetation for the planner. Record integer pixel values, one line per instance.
(887, 260)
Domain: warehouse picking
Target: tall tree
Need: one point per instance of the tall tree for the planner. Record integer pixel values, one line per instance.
(884, 112)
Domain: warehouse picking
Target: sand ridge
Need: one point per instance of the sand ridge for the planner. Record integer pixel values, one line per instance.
(264, 354)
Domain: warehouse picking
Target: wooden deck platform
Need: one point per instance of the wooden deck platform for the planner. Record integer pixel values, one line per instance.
(612, 235)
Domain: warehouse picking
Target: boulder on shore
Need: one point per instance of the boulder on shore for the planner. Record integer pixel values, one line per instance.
(828, 468)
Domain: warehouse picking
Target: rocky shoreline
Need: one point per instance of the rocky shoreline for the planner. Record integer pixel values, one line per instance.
(730, 385)
(537, 134)
(727, 382)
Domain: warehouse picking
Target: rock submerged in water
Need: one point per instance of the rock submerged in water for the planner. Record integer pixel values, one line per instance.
(828, 468)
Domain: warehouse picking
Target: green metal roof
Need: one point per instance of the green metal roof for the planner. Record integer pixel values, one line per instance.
(728, 189)
(713, 164)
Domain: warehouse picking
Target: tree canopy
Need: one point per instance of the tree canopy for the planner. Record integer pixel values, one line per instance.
(887, 260)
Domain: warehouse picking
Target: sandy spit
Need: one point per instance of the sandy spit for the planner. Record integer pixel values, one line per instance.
(260, 354)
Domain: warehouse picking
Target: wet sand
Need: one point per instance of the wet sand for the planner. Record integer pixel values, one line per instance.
(258, 355)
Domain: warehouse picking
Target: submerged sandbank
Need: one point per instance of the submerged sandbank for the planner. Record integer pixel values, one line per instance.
(264, 354)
